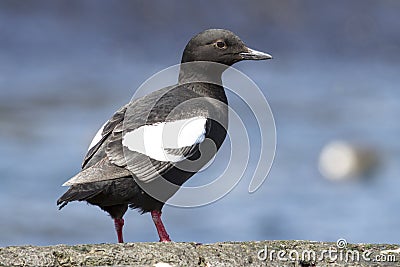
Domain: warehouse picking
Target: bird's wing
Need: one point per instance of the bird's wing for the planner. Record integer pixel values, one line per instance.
(147, 137)
(156, 134)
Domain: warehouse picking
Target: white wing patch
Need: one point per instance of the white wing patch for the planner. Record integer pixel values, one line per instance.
(97, 137)
(152, 140)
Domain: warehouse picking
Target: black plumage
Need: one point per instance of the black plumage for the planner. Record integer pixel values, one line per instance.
(112, 175)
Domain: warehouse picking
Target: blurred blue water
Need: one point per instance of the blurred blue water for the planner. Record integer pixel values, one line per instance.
(55, 92)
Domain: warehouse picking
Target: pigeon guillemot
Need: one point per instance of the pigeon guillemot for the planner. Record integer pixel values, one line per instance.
(115, 163)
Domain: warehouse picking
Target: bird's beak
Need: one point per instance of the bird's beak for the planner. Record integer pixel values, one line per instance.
(252, 54)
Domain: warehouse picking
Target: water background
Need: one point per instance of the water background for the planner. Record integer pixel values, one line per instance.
(66, 66)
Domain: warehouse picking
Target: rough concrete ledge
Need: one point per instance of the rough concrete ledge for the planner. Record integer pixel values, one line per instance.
(260, 253)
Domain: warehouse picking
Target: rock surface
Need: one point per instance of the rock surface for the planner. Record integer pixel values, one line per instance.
(259, 253)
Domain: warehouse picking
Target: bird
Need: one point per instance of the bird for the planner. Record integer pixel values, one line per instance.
(127, 162)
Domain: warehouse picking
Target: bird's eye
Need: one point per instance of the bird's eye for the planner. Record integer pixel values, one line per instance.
(220, 44)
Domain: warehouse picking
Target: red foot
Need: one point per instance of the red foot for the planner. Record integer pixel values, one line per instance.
(162, 233)
(119, 224)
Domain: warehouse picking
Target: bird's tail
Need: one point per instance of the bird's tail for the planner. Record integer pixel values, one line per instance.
(77, 193)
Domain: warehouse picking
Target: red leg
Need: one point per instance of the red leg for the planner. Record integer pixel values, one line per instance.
(119, 224)
(162, 233)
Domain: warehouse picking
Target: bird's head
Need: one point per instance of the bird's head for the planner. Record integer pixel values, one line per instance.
(220, 46)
